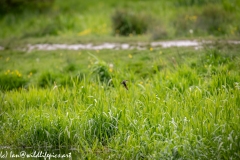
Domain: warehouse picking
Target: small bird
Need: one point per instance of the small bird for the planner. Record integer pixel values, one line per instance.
(124, 82)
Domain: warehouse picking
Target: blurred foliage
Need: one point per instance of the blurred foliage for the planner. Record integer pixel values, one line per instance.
(194, 2)
(212, 20)
(158, 31)
(11, 80)
(126, 23)
(100, 71)
(75, 21)
(16, 6)
(47, 79)
(51, 79)
(50, 29)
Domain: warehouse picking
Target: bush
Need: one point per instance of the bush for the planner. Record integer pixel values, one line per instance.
(11, 80)
(185, 24)
(126, 23)
(213, 20)
(16, 6)
(47, 79)
(159, 32)
(48, 30)
(100, 71)
(70, 67)
(194, 2)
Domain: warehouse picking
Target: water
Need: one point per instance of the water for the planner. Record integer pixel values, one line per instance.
(123, 46)
(117, 46)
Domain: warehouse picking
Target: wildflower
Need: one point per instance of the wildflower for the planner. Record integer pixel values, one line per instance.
(17, 73)
(160, 52)
(110, 67)
(233, 30)
(7, 59)
(193, 18)
(30, 74)
(85, 32)
(130, 56)
(150, 48)
(7, 72)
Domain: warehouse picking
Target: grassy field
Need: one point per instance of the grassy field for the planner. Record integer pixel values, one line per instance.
(182, 103)
(92, 21)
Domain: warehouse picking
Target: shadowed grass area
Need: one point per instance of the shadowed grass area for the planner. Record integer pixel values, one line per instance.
(181, 103)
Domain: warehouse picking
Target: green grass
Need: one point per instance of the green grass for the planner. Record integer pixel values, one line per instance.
(181, 103)
(88, 21)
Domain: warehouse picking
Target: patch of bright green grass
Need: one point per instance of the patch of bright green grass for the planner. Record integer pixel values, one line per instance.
(181, 103)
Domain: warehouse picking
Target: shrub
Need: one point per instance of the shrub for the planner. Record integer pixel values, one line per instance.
(16, 6)
(11, 80)
(100, 70)
(213, 20)
(125, 23)
(185, 24)
(47, 79)
(70, 67)
(51, 29)
(194, 2)
(159, 32)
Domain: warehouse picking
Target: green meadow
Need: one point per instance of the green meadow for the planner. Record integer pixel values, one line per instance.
(181, 102)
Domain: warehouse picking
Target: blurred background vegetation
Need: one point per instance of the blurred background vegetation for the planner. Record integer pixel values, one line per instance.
(34, 21)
